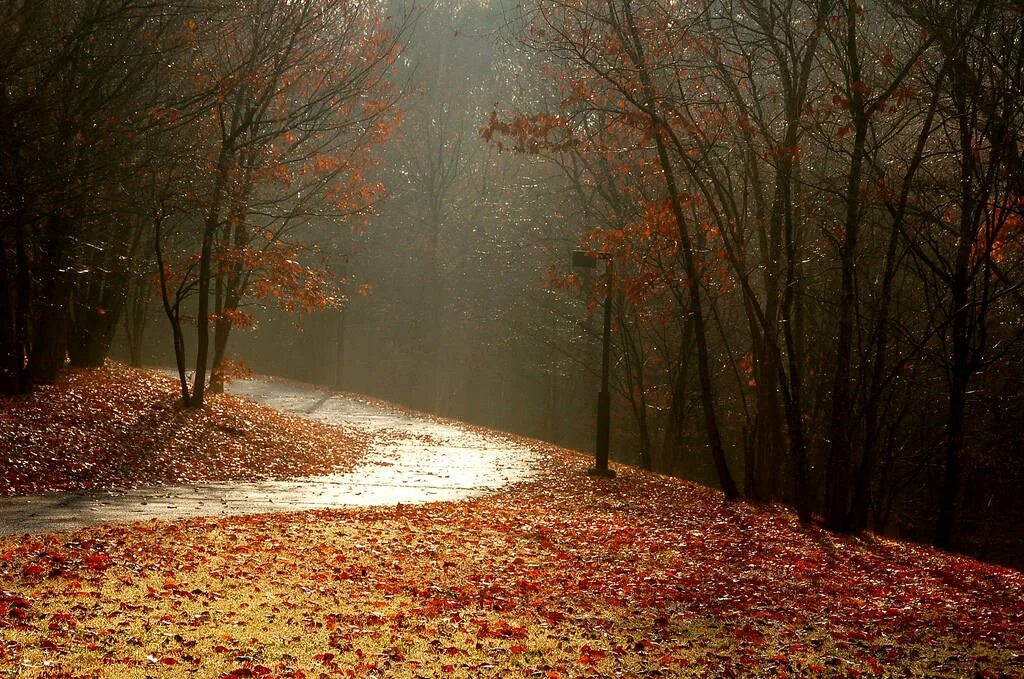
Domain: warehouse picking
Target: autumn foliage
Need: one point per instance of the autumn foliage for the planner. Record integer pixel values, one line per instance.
(116, 426)
(813, 212)
(562, 576)
(191, 144)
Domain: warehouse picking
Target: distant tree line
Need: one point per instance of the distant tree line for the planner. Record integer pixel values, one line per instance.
(181, 148)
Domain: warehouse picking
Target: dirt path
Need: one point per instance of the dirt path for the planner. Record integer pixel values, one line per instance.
(411, 460)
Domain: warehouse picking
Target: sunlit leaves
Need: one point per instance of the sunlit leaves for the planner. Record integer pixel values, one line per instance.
(119, 427)
(560, 577)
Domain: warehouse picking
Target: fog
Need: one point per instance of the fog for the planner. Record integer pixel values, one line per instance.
(812, 212)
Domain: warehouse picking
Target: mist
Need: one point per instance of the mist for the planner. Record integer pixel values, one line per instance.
(811, 212)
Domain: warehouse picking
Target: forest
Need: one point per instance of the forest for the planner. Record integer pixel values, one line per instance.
(812, 210)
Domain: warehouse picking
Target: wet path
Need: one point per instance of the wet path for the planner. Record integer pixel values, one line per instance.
(411, 460)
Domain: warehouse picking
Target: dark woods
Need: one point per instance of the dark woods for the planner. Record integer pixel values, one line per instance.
(817, 210)
(181, 149)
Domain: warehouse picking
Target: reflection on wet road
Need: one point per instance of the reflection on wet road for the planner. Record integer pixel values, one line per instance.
(411, 460)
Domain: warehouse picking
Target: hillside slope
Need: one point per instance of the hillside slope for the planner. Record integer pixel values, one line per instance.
(563, 576)
(118, 426)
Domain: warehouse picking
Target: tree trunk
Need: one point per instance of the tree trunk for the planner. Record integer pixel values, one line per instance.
(137, 317)
(837, 488)
(714, 434)
(173, 312)
(863, 496)
(954, 443)
(14, 307)
(767, 439)
(96, 307)
(205, 274)
(49, 337)
(221, 332)
(671, 448)
(793, 387)
(707, 398)
(962, 322)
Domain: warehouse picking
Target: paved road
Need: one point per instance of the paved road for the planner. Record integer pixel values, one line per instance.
(412, 460)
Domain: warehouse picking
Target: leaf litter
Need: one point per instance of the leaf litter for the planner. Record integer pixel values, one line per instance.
(120, 427)
(561, 576)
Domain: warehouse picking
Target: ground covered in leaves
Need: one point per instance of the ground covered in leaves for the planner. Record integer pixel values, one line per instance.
(121, 427)
(563, 576)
